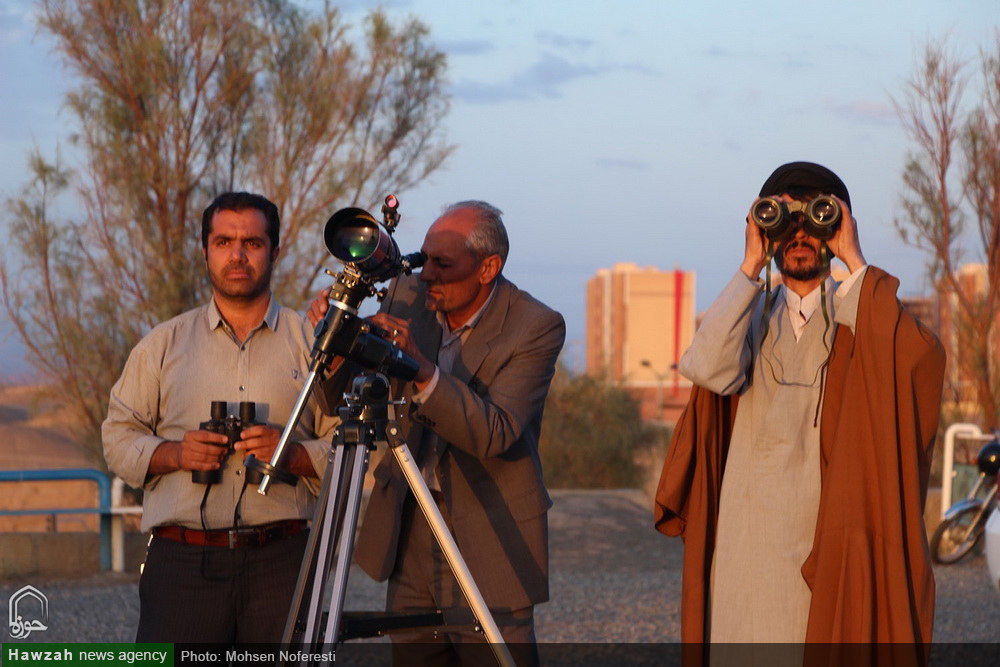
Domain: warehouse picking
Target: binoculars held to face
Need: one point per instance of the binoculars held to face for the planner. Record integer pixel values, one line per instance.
(819, 215)
(230, 426)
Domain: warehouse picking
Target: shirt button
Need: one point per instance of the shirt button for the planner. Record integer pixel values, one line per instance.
(242, 388)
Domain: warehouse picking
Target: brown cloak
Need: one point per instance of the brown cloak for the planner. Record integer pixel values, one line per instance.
(869, 569)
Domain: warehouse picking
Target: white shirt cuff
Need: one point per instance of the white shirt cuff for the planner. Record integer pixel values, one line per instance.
(426, 392)
(848, 283)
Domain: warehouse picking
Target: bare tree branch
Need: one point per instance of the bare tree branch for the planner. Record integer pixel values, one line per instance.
(952, 176)
(179, 100)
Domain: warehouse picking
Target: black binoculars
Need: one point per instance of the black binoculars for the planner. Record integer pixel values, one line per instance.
(776, 217)
(230, 426)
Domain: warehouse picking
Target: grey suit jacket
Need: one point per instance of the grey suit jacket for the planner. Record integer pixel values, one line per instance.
(487, 413)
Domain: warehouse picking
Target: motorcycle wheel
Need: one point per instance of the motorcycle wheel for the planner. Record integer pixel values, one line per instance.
(956, 536)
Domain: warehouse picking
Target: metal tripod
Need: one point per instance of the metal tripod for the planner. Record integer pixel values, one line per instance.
(367, 420)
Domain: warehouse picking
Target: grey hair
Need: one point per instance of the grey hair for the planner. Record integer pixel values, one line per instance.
(489, 236)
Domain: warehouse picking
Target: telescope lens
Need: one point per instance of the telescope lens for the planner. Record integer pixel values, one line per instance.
(356, 244)
(354, 237)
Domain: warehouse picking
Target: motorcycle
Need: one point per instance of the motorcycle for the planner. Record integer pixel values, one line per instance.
(965, 521)
(992, 540)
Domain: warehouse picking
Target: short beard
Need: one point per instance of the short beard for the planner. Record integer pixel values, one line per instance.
(803, 273)
(250, 293)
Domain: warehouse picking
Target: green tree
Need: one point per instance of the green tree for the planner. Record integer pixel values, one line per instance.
(176, 101)
(592, 434)
(952, 181)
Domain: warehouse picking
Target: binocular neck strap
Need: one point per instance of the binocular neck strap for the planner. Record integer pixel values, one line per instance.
(824, 258)
(768, 296)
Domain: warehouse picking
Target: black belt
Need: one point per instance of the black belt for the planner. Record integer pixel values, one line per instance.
(233, 538)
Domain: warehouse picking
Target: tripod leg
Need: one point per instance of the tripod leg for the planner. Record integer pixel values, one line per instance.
(334, 521)
(448, 546)
(328, 532)
(300, 598)
(345, 544)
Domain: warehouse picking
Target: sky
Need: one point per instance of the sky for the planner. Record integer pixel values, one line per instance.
(633, 131)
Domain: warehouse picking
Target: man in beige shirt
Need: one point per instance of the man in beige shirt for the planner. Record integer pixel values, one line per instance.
(223, 560)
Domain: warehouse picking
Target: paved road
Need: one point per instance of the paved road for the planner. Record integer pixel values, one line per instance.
(613, 580)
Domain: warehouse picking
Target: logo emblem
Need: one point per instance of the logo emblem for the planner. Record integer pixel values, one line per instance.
(30, 602)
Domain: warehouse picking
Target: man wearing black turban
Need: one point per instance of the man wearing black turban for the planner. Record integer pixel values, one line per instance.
(798, 472)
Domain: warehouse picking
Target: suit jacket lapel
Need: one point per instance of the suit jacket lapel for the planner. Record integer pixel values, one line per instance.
(475, 349)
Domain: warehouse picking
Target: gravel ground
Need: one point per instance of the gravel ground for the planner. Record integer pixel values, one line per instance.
(613, 579)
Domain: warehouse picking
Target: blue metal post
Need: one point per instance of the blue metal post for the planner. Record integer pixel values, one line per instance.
(65, 474)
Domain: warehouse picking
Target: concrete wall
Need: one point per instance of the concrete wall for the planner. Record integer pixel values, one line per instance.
(61, 554)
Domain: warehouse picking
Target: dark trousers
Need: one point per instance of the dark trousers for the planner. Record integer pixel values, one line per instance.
(422, 581)
(195, 594)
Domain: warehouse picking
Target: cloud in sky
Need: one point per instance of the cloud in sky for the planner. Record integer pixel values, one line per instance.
(716, 51)
(622, 164)
(550, 72)
(542, 79)
(864, 111)
(751, 58)
(15, 22)
(732, 146)
(477, 92)
(797, 62)
(466, 47)
(545, 78)
(567, 42)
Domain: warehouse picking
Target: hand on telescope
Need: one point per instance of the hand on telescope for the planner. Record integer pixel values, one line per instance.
(317, 311)
(845, 244)
(399, 331)
(319, 306)
(198, 450)
(261, 440)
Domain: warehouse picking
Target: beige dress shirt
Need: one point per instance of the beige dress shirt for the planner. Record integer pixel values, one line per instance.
(166, 389)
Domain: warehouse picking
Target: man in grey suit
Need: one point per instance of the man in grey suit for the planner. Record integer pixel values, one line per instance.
(487, 352)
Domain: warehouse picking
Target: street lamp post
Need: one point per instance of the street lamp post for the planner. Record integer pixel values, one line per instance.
(660, 378)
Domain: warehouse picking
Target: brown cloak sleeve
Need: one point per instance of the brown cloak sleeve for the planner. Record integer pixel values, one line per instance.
(869, 568)
(687, 497)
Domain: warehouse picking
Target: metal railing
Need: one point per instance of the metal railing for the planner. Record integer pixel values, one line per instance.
(109, 508)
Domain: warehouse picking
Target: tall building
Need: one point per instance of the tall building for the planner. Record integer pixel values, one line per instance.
(639, 323)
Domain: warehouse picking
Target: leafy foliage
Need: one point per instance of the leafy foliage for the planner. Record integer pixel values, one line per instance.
(592, 434)
(177, 101)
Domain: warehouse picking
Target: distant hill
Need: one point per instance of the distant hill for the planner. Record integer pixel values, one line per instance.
(34, 435)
